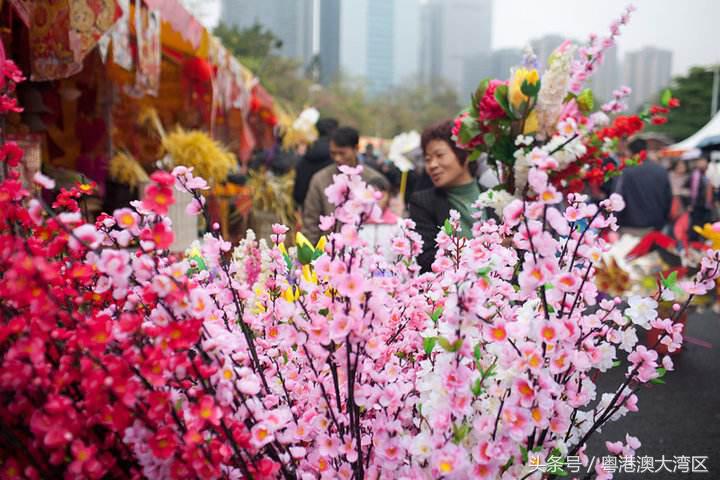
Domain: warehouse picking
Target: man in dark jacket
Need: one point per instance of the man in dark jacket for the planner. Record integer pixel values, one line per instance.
(316, 158)
(647, 193)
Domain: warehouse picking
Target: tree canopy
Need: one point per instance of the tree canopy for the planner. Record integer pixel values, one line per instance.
(412, 105)
(694, 91)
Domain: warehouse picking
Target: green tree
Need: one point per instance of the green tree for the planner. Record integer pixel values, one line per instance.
(256, 48)
(406, 107)
(694, 91)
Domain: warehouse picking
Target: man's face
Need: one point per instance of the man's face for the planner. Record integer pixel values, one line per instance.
(343, 155)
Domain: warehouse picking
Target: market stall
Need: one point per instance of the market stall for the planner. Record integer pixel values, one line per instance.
(113, 80)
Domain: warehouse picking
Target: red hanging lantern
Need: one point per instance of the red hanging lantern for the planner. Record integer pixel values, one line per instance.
(198, 73)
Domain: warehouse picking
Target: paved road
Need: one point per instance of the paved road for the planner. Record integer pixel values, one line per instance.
(681, 417)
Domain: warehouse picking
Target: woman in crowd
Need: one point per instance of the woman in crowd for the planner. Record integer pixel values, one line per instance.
(454, 187)
(678, 180)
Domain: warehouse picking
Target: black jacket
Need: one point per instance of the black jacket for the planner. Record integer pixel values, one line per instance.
(428, 209)
(648, 196)
(316, 158)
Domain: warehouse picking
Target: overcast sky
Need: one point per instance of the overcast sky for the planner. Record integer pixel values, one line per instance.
(690, 28)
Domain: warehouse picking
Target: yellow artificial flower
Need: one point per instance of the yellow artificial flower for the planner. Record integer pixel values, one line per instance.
(291, 294)
(711, 232)
(515, 95)
(531, 123)
(321, 244)
(282, 248)
(309, 274)
(301, 240)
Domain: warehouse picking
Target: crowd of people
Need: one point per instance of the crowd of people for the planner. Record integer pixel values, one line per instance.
(660, 195)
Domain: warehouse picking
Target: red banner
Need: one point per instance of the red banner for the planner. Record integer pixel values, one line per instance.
(89, 21)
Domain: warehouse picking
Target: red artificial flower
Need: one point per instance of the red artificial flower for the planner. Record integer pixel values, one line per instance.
(657, 109)
(11, 154)
(674, 103)
(158, 198)
(160, 234)
(658, 120)
(9, 104)
(86, 188)
(163, 443)
(10, 71)
(488, 107)
(205, 410)
(163, 178)
(265, 469)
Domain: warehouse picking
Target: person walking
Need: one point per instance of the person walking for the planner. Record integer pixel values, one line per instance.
(647, 193)
(700, 198)
(315, 159)
(344, 145)
(454, 187)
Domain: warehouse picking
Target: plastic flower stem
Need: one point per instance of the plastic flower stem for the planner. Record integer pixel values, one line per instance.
(497, 418)
(563, 145)
(543, 297)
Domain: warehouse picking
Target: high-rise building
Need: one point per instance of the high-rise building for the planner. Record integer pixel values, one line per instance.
(456, 33)
(329, 40)
(542, 47)
(407, 40)
(646, 72)
(289, 20)
(375, 40)
(607, 77)
(494, 65)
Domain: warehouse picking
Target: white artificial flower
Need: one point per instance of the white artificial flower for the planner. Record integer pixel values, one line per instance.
(495, 199)
(641, 310)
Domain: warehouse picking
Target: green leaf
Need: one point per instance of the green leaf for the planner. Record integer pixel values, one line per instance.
(524, 454)
(530, 89)
(585, 101)
(460, 432)
(435, 315)
(616, 363)
(474, 155)
(477, 388)
(503, 150)
(482, 87)
(483, 272)
(665, 97)
(661, 372)
(477, 352)
(288, 261)
(508, 464)
(429, 344)
(670, 281)
(450, 347)
(305, 254)
(469, 129)
(501, 96)
(489, 139)
(447, 227)
(658, 381)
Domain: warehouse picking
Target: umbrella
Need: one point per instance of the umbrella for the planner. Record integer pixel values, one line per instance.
(711, 141)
